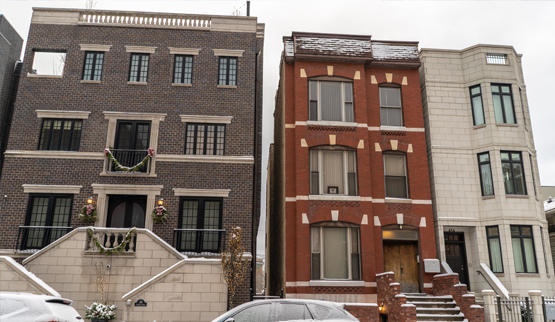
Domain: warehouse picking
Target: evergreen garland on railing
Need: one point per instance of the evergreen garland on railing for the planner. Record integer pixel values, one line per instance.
(114, 250)
(119, 167)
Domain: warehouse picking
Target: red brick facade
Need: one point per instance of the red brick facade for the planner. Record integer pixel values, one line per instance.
(448, 284)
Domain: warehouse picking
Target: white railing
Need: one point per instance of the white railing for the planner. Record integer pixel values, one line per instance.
(110, 238)
(144, 19)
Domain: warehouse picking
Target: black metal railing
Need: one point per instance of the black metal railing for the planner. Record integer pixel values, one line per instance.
(515, 309)
(37, 237)
(110, 238)
(201, 241)
(548, 305)
(129, 158)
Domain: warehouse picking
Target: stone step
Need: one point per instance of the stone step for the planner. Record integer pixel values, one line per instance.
(440, 317)
(446, 298)
(443, 305)
(436, 310)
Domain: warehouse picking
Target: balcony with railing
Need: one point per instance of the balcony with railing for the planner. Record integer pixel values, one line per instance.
(33, 238)
(199, 242)
(111, 238)
(130, 161)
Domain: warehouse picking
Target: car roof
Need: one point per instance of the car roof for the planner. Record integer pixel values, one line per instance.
(22, 295)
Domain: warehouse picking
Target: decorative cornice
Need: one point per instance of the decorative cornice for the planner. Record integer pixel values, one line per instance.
(184, 51)
(40, 188)
(63, 114)
(92, 47)
(228, 52)
(140, 49)
(206, 119)
(184, 192)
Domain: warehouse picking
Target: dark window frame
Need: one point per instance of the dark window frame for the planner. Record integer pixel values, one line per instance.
(49, 218)
(521, 237)
(200, 218)
(498, 236)
(227, 78)
(511, 163)
(186, 72)
(194, 147)
(95, 66)
(480, 164)
(387, 85)
(137, 78)
(133, 139)
(472, 96)
(74, 140)
(501, 95)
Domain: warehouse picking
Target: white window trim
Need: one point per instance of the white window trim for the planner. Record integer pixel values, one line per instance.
(184, 51)
(140, 49)
(319, 102)
(103, 190)
(206, 119)
(321, 190)
(40, 188)
(93, 47)
(333, 123)
(63, 114)
(228, 52)
(184, 192)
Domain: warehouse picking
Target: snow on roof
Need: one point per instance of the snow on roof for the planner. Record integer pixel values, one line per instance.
(388, 51)
(549, 204)
(334, 46)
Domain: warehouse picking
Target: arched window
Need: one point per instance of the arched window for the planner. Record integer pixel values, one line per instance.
(335, 251)
(333, 171)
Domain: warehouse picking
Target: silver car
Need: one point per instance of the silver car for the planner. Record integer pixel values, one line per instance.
(287, 310)
(26, 307)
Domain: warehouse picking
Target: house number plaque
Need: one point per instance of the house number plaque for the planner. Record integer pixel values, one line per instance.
(140, 302)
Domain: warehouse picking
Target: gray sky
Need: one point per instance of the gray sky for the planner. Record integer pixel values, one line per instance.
(528, 26)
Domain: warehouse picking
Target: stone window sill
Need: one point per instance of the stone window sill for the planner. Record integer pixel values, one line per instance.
(127, 174)
(527, 275)
(517, 196)
(332, 123)
(44, 76)
(397, 200)
(488, 197)
(506, 124)
(481, 126)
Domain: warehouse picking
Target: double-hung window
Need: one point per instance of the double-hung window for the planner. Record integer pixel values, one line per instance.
(227, 71)
(391, 109)
(207, 139)
(200, 224)
(60, 134)
(335, 252)
(395, 171)
(183, 69)
(494, 249)
(333, 171)
(477, 106)
(138, 69)
(503, 103)
(330, 101)
(523, 249)
(513, 173)
(486, 181)
(48, 218)
(92, 70)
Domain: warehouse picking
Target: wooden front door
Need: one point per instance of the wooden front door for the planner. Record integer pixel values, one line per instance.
(401, 258)
(455, 256)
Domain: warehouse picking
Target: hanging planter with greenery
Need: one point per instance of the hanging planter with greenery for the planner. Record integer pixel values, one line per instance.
(114, 250)
(119, 167)
(159, 214)
(88, 213)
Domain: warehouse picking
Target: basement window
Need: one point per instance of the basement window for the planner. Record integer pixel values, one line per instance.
(48, 63)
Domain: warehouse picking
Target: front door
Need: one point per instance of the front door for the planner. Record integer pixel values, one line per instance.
(400, 257)
(455, 256)
(126, 211)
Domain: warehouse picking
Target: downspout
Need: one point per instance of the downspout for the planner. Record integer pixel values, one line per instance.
(255, 177)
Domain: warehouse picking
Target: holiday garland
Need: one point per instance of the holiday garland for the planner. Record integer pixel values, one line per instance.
(159, 214)
(114, 250)
(88, 213)
(119, 167)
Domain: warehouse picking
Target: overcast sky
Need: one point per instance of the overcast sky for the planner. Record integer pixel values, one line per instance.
(528, 26)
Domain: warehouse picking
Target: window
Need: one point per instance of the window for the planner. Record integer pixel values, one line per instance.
(494, 249)
(523, 249)
(205, 139)
(330, 101)
(48, 63)
(391, 110)
(486, 180)
(49, 211)
(131, 143)
(496, 59)
(395, 171)
(335, 252)
(228, 71)
(513, 173)
(183, 69)
(503, 103)
(259, 312)
(60, 134)
(477, 107)
(138, 70)
(200, 221)
(92, 70)
(333, 171)
(533, 175)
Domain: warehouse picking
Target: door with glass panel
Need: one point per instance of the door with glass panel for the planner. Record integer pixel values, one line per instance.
(126, 211)
(455, 255)
(200, 225)
(48, 218)
(131, 143)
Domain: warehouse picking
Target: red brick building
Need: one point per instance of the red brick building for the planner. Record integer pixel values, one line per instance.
(350, 192)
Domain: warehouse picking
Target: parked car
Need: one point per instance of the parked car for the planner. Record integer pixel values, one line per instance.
(26, 307)
(287, 310)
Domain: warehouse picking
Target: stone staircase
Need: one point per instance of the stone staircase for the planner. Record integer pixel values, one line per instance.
(435, 308)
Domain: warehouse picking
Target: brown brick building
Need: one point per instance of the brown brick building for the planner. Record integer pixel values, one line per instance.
(350, 187)
(179, 93)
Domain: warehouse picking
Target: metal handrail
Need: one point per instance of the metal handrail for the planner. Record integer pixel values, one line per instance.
(197, 241)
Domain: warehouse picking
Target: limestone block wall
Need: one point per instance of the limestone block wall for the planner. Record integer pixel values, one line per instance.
(15, 278)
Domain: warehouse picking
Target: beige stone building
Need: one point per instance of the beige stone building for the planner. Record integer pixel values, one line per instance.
(488, 214)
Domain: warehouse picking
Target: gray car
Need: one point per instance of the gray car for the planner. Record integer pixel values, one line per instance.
(26, 307)
(287, 310)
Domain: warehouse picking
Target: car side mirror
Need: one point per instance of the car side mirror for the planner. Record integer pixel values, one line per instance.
(230, 320)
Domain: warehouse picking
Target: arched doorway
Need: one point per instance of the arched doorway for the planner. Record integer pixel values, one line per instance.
(400, 251)
(125, 211)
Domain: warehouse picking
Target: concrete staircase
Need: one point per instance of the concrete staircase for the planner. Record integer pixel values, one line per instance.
(435, 308)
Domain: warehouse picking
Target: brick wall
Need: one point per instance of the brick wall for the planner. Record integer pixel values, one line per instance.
(448, 284)
(394, 303)
(364, 312)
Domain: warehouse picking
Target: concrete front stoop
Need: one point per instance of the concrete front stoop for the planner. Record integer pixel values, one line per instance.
(435, 308)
